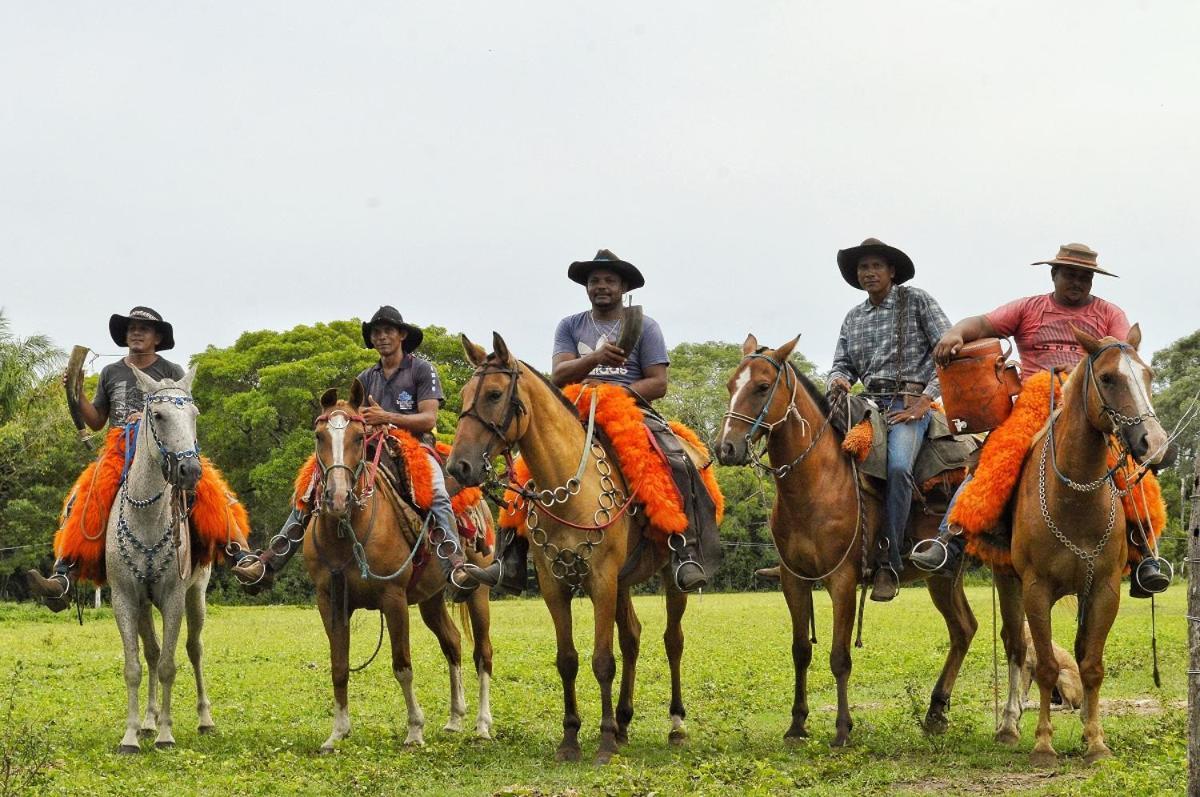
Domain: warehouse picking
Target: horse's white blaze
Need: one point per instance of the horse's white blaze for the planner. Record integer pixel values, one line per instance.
(416, 717)
(1137, 375)
(483, 720)
(739, 385)
(458, 700)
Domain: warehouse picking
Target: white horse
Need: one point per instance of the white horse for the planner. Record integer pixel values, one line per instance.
(149, 559)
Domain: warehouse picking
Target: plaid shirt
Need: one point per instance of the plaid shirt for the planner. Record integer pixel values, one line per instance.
(866, 347)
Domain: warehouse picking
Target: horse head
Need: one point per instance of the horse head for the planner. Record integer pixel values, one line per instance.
(1117, 395)
(340, 435)
(169, 414)
(493, 400)
(761, 394)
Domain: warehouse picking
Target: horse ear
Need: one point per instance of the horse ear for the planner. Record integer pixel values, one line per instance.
(1134, 338)
(190, 376)
(357, 393)
(146, 384)
(329, 398)
(750, 345)
(475, 353)
(500, 348)
(785, 351)
(1089, 343)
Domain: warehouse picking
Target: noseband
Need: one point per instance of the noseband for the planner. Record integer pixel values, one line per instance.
(169, 460)
(514, 408)
(340, 419)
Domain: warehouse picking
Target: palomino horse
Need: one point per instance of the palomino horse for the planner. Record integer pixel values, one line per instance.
(819, 521)
(149, 561)
(1069, 530)
(581, 524)
(361, 552)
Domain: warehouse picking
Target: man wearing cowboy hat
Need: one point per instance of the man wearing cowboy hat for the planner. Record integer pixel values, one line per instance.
(586, 350)
(118, 403)
(1041, 326)
(886, 342)
(402, 391)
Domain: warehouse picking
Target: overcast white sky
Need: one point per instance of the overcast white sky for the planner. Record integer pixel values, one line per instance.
(265, 164)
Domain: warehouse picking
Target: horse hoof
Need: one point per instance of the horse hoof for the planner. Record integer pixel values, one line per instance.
(1044, 759)
(841, 740)
(129, 749)
(1099, 754)
(452, 727)
(325, 750)
(206, 730)
(935, 726)
(795, 737)
(566, 754)
(603, 757)
(164, 745)
(677, 738)
(1008, 738)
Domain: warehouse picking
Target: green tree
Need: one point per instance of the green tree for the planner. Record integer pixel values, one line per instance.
(24, 362)
(1176, 386)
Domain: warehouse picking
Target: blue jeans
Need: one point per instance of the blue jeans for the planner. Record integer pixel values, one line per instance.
(944, 526)
(443, 513)
(903, 444)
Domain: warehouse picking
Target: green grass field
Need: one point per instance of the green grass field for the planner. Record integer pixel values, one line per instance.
(269, 684)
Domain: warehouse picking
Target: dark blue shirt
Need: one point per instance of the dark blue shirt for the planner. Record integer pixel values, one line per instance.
(414, 381)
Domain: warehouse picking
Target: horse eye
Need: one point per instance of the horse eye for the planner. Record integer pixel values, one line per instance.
(1107, 379)
(493, 395)
(764, 387)
(157, 415)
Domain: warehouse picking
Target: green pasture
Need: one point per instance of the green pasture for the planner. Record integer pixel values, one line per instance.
(63, 702)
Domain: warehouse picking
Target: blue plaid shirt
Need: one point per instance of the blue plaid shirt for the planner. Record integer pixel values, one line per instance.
(866, 347)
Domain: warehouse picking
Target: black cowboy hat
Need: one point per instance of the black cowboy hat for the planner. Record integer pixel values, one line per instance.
(118, 327)
(390, 315)
(580, 269)
(847, 260)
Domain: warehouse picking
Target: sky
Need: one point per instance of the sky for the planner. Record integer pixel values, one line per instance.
(258, 165)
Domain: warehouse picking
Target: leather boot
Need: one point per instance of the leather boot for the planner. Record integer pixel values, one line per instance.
(57, 590)
(685, 563)
(280, 550)
(1147, 578)
(770, 573)
(507, 573)
(939, 555)
(248, 568)
(447, 550)
(886, 584)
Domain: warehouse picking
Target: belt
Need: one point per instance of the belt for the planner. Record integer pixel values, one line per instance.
(892, 387)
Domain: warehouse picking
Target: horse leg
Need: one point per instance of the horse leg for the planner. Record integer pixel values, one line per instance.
(480, 612)
(339, 666)
(172, 613)
(629, 636)
(127, 614)
(604, 663)
(1038, 601)
(1098, 618)
(394, 605)
(951, 601)
(151, 650)
(841, 592)
(558, 600)
(673, 641)
(437, 618)
(1012, 632)
(798, 595)
(195, 606)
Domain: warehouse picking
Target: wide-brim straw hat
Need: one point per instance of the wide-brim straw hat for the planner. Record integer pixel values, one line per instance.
(847, 260)
(118, 327)
(1077, 255)
(580, 269)
(390, 315)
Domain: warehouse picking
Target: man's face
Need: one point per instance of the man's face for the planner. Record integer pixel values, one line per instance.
(1072, 286)
(142, 338)
(605, 289)
(387, 339)
(875, 274)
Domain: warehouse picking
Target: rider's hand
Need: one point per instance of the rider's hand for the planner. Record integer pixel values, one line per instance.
(913, 413)
(610, 355)
(373, 414)
(839, 385)
(947, 347)
(133, 417)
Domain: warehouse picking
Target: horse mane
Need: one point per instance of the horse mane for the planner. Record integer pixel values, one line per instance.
(566, 402)
(811, 389)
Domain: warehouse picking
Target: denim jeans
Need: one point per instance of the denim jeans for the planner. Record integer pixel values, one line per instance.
(944, 526)
(903, 445)
(443, 513)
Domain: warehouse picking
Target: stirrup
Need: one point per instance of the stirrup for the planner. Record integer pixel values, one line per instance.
(254, 558)
(1169, 574)
(914, 553)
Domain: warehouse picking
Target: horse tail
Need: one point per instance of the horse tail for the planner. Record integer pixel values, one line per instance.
(464, 622)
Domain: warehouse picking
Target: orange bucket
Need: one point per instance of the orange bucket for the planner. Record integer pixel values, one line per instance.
(978, 386)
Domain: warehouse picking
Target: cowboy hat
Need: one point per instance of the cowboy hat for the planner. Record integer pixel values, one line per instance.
(580, 269)
(847, 260)
(390, 315)
(118, 327)
(1077, 256)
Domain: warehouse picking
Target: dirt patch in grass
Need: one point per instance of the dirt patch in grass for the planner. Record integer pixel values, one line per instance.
(985, 783)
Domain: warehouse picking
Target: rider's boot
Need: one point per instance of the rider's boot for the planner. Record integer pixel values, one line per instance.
(280, 550)
(508, 571)
(57, 590)
(771, 573)
(886, 584)
(685, 562)
(1147, 577)
(447, 549)
(247, 566)
(939, 555)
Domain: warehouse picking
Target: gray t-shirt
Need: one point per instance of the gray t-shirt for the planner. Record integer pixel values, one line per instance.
(413, 382)
(118, 394)
(580, 334)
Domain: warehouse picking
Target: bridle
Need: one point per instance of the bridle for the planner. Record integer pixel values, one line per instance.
(340, 419)
(513, 409)
(169, 460)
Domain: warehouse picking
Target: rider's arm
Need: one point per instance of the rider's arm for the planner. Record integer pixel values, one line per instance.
(419, 422)
(571, 368)
(843, 369)
(653, 384)
(969, 329)
(91, 416)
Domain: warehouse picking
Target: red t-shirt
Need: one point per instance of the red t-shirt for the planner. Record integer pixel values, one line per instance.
(1042, 329)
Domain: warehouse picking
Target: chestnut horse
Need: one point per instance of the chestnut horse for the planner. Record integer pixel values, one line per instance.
(819, 521)
(359, 551)
(581, 524)
(1069, 530)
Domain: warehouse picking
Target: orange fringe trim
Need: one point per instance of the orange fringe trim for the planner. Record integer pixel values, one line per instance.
(217, 515)
(858, 440)
(982, 503)
(617, 414)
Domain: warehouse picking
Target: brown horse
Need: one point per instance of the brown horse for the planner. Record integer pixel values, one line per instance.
(819, 522)
(582, 526)
(1069, 534)
(359, 551)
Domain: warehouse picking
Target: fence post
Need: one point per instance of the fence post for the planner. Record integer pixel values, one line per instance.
(1193, 563)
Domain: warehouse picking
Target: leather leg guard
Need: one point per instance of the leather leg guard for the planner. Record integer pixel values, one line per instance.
(57, 590)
